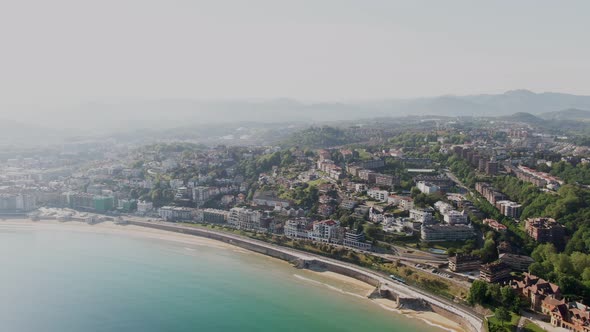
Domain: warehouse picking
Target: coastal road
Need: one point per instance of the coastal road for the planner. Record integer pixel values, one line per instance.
(474, 319)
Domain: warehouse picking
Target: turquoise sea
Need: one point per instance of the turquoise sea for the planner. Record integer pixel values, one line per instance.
(66, 281)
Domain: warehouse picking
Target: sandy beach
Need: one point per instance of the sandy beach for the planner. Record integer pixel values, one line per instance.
(328, 279)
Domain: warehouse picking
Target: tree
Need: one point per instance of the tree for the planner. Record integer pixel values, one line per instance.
(502, 315)
(489, 252)
(478, 292)
(494, 292)
(507, 296)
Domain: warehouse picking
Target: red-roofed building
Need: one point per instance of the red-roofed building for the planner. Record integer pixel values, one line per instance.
(535, 290)
(573, 316)
(495, 225)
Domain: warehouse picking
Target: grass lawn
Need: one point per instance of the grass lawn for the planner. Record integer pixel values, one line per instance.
(508, 326)
(532, 327)
(317, 182)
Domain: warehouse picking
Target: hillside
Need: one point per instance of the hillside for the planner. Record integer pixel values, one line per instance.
(571, 114)
(318, 137)
(523, 117)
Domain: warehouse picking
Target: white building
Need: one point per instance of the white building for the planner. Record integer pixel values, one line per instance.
(176, 183)
(380, 195)
(325, 231)
(427, 187)
(296, 228)
(421, 215)
(144, 207)
(200, 195)
(433, 233)
(454, 217)
(243, 218)
(403, 202)
(356, 240)
(174, 213)
(375, 215)
(443, 207)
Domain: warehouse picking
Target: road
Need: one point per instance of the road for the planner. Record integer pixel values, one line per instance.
(403, 290)
(460, 184)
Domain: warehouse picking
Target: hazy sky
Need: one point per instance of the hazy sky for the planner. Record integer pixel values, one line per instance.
(76, 50)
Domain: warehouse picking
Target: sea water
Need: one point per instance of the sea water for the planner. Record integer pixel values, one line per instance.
(62, 280)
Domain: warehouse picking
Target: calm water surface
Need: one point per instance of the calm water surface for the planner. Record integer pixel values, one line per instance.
(62, 281)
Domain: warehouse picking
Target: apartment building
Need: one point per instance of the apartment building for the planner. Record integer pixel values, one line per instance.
(440, 232)
(243, 218)
(463, 263)
(494, 272)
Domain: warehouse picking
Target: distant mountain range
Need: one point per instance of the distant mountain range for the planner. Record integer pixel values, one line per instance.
(180, 112)
(124, 115)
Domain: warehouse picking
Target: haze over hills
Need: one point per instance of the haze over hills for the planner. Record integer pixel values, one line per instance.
(123, 115)
(570, 114)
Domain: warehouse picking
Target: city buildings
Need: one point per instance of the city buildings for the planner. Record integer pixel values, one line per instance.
(17, 203)
(200, 195)
(356, 240)
(535, 290)
(174, 213)
(422, 215)
(325, 231)
(498, 200)
(297, 228)
(367, 175)
(545, 230)
(103, 203)
(144, 207)
(427, 187)
(243, 218)
(380, 195)
(516, 262)
(267, 199)
(215, 216)
(495, 225)
(441, 181)
(463, 263)
(494, 272)
(438, 232)
(405, 203)
(571, 316)
(386, 180)
(454, 217)
(539, 179)
(509, 208)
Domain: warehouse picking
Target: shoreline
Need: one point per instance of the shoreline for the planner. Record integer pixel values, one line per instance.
(359, 288)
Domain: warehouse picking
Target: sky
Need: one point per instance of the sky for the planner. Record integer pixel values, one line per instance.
(68, 51)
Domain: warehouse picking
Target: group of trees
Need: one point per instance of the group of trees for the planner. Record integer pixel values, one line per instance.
(320, 137)
(570, 271)
(251, 168)
(462, 170)
(579, 173)
(570, 205)
(494, 295)
(305, 195)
